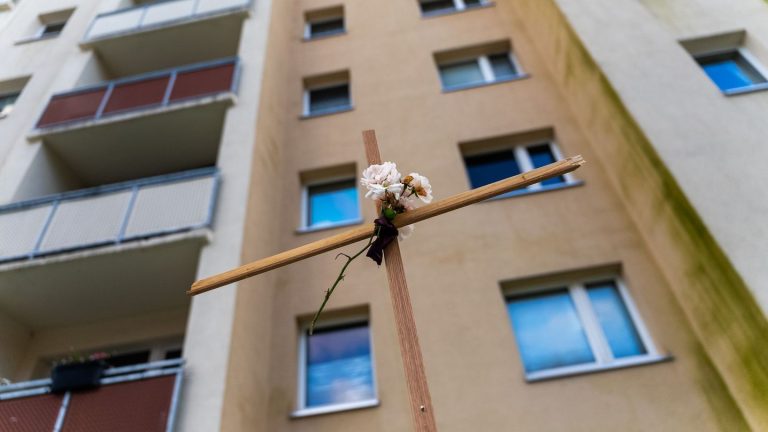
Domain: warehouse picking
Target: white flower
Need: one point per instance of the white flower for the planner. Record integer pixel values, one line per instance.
(420, 185)
(405, 232)
(380, 179)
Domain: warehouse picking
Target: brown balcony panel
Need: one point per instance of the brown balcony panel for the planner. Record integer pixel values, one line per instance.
(123, 407)
(204, 81)
(68, 107)
(30, 414)
(138, 94)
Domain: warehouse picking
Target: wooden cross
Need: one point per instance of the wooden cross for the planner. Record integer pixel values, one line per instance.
(416, 380)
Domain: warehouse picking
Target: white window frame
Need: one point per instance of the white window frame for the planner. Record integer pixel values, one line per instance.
(596, 340)
(301, 395)
(308, 27)
(484, 63)
(305, 226)
(306, 112)
(458, 5)
(524, 162)
(749, 58)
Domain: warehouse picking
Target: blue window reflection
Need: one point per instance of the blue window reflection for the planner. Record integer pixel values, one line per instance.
(730, 71)
(332, 203)
(491, 167)
(542, 155)
(339, 367)
(615, 320)
(548, 331)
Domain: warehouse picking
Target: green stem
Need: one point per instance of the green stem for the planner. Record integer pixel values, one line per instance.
(339, 278)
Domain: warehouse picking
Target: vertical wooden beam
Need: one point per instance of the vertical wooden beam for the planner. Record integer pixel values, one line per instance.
(410, 351)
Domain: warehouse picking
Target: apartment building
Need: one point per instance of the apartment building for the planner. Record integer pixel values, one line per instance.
(144, 145)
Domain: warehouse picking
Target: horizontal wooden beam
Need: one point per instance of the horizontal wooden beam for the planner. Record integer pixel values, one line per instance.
(364, 232)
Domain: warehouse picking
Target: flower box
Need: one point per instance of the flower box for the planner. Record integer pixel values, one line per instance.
(76, 376)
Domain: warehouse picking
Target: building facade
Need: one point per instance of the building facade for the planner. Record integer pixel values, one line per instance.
(144, 145)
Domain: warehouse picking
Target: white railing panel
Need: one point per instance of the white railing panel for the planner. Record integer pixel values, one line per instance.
(210, 6)
(115, 23)
(86, 221)
(20, 230)
(171, 206)
(168, 11)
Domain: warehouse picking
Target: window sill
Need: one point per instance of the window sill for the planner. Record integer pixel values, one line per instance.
(36, 39)
(484, 84)
(330, 409)
(569, 371)
(327, 113)
(455, 11)
(526, 191)
(325, 36)
(745, 90)
(310, 229)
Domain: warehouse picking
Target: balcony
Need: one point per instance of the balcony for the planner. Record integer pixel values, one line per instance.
(141, 397)
(140, 126)
(73, 257)
(166, 33)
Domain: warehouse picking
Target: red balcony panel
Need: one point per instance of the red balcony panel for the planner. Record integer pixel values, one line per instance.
(123, 407)
(203, 81)
(137, 94)
(29, 414)
(69, 107)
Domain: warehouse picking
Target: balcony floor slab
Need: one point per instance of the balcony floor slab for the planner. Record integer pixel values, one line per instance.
(103, 283)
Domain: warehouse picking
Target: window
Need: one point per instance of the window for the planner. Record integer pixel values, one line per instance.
(7, 101)
(324, 22)
(331, 204)
(484, 69)
(327, 94)
(53, 29)
(732, 71)
(580, 327)
(437, 7)
(336, 369)
(48, 25)
(488, 166)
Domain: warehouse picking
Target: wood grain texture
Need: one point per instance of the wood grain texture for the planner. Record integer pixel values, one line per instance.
(410, 350)
(362, 233)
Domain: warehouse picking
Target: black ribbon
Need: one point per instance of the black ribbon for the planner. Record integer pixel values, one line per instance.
(387, 233)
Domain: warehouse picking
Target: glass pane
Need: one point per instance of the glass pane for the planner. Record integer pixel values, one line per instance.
(326, 27)
(730, 71)
(339, 366)
(615, 320)
(541, 155)
(330, 203)
(436, 6)
(502, 66)
(488, 168)
(7, 101)
(329, 99)
(548, 331)
(51, 29)
(461, 74)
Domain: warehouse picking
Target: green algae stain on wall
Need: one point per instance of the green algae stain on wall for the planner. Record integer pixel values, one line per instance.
(727, 319)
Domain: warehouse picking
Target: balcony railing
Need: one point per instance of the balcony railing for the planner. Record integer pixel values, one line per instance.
(142, 397)
(108, 215)
(157, 89)
(159, 14)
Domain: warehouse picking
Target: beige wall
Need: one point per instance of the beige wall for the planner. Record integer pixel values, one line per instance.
(470, 354)
(613, 109)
